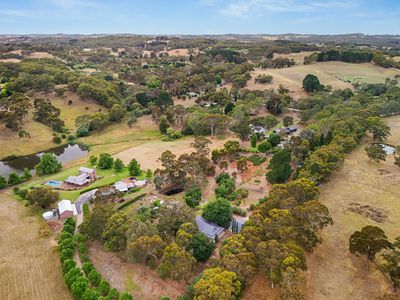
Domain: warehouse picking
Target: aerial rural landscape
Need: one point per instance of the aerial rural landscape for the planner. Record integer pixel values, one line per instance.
(180, 163)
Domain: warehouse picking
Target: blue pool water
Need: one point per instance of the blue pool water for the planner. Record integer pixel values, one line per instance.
(53, 183)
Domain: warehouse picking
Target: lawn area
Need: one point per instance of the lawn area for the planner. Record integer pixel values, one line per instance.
(108, 177)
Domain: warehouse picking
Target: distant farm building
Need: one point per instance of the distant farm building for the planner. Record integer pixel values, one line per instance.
(209, 229)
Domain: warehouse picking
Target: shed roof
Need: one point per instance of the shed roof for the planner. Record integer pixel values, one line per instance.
(79, 180)
(65, 205)
(209, 229)
(86, 170)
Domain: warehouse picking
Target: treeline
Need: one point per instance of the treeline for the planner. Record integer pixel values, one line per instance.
(87, 284)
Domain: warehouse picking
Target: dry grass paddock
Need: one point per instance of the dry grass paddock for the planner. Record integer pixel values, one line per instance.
(333, 272)
(339, 75)
(29, 263)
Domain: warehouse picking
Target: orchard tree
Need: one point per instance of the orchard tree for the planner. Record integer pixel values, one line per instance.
(48, 164)
(376, 152)
(79, 287)
(369, 241)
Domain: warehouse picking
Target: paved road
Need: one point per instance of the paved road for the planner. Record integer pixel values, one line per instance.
(82, 199)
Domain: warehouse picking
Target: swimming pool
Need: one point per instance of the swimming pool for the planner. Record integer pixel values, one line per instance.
(53, 183)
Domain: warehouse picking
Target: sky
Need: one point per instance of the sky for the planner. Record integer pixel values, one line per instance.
(200, 16)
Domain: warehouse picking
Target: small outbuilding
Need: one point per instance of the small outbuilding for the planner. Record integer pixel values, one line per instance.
(66, 209)
(121, 186)
(209, 229)
(140, 183)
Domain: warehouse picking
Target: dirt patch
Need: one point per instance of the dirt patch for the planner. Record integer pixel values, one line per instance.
(147, 154)
(10, 60)
(259, 288)
(140, 281)
(29, 264)
(367, 211)
(40, 55)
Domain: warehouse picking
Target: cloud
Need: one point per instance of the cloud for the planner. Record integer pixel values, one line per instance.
(247, 8)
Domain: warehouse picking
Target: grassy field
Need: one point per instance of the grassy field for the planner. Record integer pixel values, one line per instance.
(114, 138)
(337, 74)
(333, 270)
(29, 264)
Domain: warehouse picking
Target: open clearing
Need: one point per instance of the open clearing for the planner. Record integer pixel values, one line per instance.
(339, 75)
(148, 153)
(29, 265)
(333, 271)
(141, 281)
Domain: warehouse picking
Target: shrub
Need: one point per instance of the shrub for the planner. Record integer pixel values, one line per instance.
(3, 182)
(85, 209)
(13, 179)
(66, 254)
(79, 287)
(239, 211)
(57, 140)
(87, 267)
(94, 277)
(26, 175)
(69, 228)
(113, 294)
(63, 136)
(82, 131)
(125, 296)
(104, 287)
(72, 275)
(90, 294)
(256, 159)
(193, 196)
(67, 265)
(264, 147)
(65, 235)
(71, 137)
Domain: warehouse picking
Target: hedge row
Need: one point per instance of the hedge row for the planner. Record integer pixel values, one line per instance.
(86, 285)
(129, 202)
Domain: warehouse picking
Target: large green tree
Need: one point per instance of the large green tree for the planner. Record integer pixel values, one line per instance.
(279, 167)
(369, 241)
(219, 212)
(48, 164)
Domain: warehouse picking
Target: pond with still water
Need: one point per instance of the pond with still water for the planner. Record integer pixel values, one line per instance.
(64, 154)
